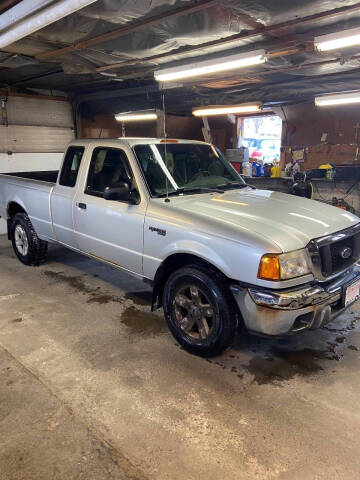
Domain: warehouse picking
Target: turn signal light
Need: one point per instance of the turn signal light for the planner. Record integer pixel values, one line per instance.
(269, 268)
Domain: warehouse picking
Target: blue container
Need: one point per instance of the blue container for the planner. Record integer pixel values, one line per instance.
(256, 169)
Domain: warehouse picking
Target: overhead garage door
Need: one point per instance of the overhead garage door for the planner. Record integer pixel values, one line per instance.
(36, 136)
(36, 126)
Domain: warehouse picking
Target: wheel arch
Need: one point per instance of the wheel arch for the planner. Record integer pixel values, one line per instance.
(13, 208)
(172, 263)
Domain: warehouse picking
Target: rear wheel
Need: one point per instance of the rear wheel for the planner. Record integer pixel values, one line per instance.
(27, 246)
(200, 310)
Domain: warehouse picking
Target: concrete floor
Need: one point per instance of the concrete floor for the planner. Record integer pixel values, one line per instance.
(93, 386)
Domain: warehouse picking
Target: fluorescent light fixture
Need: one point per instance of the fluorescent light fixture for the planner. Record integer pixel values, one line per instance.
(346, 38)
(24, 25)
(231, 62)
(338, 99)
(227, 110)
(136, 116)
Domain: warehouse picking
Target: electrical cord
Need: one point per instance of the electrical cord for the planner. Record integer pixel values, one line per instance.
(344, 194)
(320, 196)
(351, 188)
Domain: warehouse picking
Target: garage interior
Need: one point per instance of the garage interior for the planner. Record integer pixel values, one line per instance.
(92, 384)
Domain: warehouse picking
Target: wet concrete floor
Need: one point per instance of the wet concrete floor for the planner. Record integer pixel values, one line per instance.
(92, 385)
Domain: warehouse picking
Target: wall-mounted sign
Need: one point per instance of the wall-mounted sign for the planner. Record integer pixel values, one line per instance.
(298, 155)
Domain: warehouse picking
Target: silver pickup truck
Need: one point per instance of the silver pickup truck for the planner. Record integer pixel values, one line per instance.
(218, 253)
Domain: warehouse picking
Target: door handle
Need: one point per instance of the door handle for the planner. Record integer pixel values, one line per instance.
(82, 205)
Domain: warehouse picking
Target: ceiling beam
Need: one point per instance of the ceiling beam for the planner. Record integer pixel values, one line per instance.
(121, 92)
(130, 28)
(289, 48)
(298, 68)
(13, 93)
(227, 42)
(153, 59)
(35, 77)
(155, 88)
(250, 92)
(343, 76)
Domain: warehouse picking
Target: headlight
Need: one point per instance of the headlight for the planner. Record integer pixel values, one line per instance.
(284, 266)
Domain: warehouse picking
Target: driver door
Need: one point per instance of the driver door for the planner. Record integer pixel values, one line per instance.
(109, 230)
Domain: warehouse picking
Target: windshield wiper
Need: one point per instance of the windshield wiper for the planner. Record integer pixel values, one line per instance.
(201, 189)
(232, 185)
(169, 194)
(182, 191)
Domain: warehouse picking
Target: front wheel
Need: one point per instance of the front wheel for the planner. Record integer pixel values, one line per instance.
(200, 310)
(27, 246)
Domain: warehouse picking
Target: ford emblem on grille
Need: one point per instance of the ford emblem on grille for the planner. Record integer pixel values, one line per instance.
(345, 253)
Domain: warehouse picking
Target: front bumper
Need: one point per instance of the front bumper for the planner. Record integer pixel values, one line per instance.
(281, 312)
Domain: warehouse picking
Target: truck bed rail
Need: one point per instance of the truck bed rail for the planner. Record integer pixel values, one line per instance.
(44, 176)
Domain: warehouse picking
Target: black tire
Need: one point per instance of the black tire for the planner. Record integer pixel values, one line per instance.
(36, 250)
(213, 297)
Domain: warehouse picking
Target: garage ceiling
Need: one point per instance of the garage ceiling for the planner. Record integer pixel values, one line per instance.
(105, 54)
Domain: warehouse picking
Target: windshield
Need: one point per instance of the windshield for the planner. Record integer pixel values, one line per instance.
(185, 167)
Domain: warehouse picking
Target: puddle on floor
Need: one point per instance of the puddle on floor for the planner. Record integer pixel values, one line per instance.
(143, 323)
(96, 296)
(75, 282)
(103, 299)
(346, 329)
(275, 364)
(78, 284)
(340, 339)
(272, 361)
(285, 364)
(139, 298)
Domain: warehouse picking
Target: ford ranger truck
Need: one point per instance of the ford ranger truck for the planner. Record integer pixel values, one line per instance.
(218, 253)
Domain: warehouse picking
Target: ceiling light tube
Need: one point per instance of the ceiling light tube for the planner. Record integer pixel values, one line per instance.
(136, 116)
(227, 110)
(195, 69)
(338, 99)
(333, 41)
(40, 19)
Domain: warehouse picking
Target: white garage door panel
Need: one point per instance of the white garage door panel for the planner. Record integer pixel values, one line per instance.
(31, 139)
(30, 162)
(38, 132)
(33, 111)
(27, 162)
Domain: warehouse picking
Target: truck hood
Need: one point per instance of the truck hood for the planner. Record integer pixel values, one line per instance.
(287, 221)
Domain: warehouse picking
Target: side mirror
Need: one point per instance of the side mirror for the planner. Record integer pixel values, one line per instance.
(121, 193)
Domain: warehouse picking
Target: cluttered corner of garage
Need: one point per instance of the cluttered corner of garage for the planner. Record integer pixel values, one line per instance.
(303, 150)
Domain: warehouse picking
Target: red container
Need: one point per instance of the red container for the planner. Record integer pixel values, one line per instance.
(237, 166)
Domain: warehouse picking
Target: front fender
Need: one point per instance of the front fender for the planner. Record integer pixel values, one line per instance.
(197, 249)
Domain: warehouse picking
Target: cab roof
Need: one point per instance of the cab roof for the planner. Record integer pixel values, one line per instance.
(131, 141)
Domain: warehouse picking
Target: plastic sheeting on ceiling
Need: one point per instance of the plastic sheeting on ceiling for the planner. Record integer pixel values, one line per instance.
(77, 71)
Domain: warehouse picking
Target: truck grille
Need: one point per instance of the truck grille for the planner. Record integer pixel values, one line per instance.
(335, 253)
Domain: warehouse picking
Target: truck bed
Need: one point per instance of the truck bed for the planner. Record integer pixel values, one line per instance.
(32, 192)
(44, 176)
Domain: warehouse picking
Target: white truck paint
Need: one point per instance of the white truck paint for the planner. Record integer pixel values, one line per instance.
(230, 230)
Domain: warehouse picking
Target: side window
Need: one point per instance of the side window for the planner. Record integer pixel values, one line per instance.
(71, 166)
(109, 167)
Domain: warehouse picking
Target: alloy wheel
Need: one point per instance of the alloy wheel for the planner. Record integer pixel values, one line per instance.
(21, 240)
(194, 313)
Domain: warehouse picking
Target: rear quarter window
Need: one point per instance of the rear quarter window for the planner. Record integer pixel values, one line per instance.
(71, 165)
